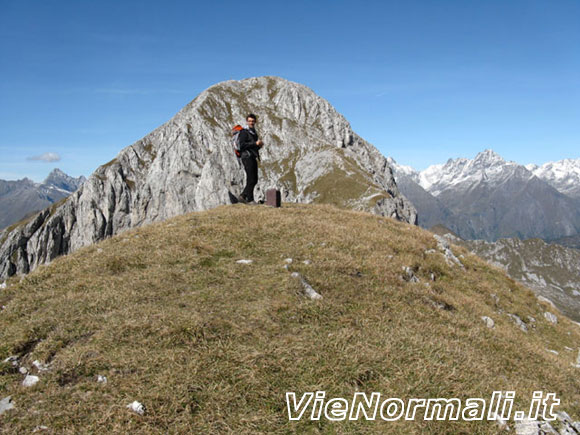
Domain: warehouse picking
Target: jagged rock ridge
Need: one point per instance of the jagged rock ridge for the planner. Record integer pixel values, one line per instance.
(187, 164)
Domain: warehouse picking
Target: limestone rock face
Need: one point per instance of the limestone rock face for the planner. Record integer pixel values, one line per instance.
(310, 154)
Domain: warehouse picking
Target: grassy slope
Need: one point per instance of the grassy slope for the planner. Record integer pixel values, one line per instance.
(210, 345)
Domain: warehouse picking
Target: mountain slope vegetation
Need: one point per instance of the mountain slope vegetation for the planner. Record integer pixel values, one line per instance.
(167, 314)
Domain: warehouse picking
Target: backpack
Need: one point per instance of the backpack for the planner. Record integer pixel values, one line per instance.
(236, 130)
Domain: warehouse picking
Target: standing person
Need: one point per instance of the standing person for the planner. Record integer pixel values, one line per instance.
(250, 146)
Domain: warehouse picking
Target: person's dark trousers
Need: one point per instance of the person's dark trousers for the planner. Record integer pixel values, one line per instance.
(251, 168)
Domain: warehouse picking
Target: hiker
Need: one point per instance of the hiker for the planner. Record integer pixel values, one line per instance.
(250, 146)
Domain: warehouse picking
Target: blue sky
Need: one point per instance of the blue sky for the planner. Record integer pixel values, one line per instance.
(421, 80)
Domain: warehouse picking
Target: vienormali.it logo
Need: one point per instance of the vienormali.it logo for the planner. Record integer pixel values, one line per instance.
(314, 406)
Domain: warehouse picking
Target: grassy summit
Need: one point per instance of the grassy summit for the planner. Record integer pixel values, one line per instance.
(209, 345)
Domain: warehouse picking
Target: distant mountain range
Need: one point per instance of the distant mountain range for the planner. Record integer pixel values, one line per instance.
(490, 198)
(22, 198)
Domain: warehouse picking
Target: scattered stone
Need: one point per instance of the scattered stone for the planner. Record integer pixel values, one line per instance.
(23, 370)
(6, 404)
(500, 421)
(527, 427)
(307, 262)
(551, 317)
(288, 261)
(488, 321)
(555, 352)
(577, 365)
(440, 305)
(519, 322)
(245, 261)
(495, 298)
(443, 246)
(432, 276)
(308, 290)
(40, 429)
(323, 244)
(546, 300)
(287, 267)
(569, 349)
(409, 274)
(3, 285)
(531, 319)
(30, 381)
(12, 360)
(430, 251)
(567, 425)
(41, 367)
(137, 408)
(99, 251)
(101, 379)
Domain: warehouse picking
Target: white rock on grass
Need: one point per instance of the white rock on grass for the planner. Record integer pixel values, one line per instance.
(23, 370)
(443, 245)
(6, 404)
(546, 300)
(12, 360)
(137, 407)
(527, 427)
(502, 424)
(245, 261)
(3, 285)
(409, 274)
(555, 352)
(307, 262)
(577, 365)
(288, 261)
(30, 381)
(41, 367)
(307, 288)
(101, 379)
(551, 317)
(519, 322)
(488, 321)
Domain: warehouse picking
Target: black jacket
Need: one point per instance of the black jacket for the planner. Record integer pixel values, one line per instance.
(248, 147)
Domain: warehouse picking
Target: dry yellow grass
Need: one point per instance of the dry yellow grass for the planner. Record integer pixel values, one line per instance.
(211, 346)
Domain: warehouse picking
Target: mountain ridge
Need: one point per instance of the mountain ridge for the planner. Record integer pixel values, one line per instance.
(21, 198)
(489, 198)
(187, 164)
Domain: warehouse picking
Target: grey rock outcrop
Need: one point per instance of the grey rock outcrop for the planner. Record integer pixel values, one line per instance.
(187, 164)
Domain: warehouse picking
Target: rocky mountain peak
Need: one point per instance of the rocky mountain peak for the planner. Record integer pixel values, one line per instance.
(488, 158)
(311, 154)
(59, 179)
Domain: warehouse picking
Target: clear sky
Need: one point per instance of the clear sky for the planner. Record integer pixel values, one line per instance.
(421, 80)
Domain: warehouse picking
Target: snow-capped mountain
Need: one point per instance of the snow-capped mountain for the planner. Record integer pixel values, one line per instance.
(20, 198)
(488, 197)
(564, 175)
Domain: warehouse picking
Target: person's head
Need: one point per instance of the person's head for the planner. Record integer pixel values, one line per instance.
(251, 119)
